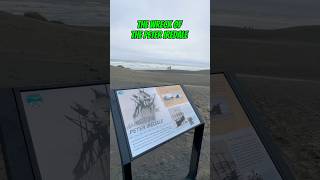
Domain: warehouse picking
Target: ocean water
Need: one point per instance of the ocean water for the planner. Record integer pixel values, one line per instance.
(156, 66)
(73, 12)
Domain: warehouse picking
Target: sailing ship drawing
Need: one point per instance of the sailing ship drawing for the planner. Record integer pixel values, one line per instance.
(144, 107)
(93, 128)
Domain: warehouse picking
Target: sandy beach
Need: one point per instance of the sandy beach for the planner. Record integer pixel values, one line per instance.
(170, 161)
(38, 52)
(291, 112)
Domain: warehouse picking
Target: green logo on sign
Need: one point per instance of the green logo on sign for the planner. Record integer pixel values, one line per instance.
(34, 100)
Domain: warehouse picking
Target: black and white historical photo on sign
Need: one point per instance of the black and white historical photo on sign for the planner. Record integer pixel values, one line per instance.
(179, 116)
(220, 108)
(151, 118)
(69, 128)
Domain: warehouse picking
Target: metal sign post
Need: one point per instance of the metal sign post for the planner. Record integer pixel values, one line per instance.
(194, 161)
(126, 171)
(196, 149)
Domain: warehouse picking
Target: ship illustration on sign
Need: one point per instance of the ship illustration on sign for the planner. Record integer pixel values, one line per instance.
(94, 132)
(144, 108)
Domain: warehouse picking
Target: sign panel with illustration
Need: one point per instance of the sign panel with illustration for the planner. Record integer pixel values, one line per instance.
(154, 115)
(69, 131)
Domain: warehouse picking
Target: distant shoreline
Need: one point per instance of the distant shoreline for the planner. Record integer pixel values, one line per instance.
(156, 66)
(173, 71)
(32, 45)
(42, 18)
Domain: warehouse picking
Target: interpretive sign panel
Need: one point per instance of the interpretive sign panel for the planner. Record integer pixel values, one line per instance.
(237, 149)
(66, 132)
(154, 115)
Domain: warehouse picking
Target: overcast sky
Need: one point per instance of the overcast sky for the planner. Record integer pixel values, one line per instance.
(265, 13)
(196, 15)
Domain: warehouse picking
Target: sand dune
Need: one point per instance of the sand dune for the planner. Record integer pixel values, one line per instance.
(299, 33)
(291, 52)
